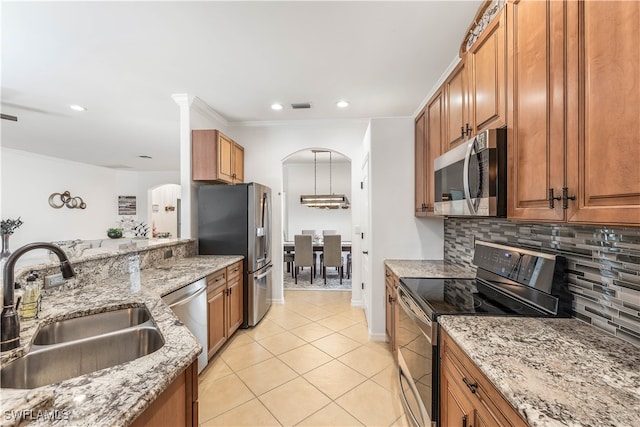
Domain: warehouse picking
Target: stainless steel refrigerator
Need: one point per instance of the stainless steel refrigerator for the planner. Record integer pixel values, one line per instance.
(236, 220)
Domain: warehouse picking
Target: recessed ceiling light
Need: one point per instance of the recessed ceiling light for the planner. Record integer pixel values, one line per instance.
(76, 107)
(276, 106)
(342, 104)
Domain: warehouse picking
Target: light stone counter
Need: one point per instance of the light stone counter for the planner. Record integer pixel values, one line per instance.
(114, 396)
(427, 268)
(555, 372)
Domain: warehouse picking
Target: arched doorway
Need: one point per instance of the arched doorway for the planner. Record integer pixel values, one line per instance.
(308, 172)
(164, 211)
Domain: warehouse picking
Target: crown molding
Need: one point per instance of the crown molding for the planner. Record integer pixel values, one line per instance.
(206, 110)
(454, 63)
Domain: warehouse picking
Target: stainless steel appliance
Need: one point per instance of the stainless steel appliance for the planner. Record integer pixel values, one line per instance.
(236, 220)
(509, 281)
(471, 179)
(189, 303)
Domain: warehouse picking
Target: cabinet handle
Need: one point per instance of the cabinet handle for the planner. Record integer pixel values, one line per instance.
(552, 199)
(468, 131)
(566, 198)
(462, 132)
(464, 421)
(472, 386)
(365, 252)
(391, 299)
(229, 291)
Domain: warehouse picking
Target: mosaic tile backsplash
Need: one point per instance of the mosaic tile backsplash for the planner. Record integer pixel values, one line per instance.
(603, 263)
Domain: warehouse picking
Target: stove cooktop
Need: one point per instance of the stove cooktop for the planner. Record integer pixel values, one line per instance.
(463, 296)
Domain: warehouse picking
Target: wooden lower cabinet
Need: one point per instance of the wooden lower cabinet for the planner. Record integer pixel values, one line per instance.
(177, 405)
(216, 311)
(391, 311)
(225, 305)
(468, 398)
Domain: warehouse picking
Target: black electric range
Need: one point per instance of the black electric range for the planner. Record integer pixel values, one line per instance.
(509, 281)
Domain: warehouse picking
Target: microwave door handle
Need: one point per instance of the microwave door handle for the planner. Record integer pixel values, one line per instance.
(467, 189)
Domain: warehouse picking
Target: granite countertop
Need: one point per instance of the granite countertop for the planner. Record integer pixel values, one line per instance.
(117, 395)
(428, 268)
(555, 372)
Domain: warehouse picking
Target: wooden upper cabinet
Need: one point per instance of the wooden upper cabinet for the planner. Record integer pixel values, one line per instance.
(535, 132)
(216, 158)
(603, 140)
(574, 73)
(435, 139)
(421, 169)
(487, 62)
(456, 89)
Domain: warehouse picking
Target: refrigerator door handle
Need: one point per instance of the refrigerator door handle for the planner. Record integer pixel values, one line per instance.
(260, 276)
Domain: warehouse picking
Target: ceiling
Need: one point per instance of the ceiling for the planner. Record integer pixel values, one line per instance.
(124, 60)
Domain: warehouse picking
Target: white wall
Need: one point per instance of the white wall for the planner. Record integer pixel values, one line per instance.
(298, 180)
(395, 232)
(267, 145)
(29, 179)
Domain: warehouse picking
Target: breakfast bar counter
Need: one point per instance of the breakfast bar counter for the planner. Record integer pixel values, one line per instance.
(117, 395)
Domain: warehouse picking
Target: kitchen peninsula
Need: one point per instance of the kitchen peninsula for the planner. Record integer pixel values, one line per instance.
(107, 281)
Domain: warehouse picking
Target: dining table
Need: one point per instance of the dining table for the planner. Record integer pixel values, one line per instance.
(318, 246)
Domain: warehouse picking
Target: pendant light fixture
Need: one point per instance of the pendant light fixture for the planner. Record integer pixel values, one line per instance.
(323, 201)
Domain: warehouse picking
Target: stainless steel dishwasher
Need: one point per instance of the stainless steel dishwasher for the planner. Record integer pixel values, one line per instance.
(189, 303)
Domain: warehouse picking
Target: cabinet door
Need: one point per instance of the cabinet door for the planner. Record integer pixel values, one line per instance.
(535, 122)
(238, 163)
(421, 169)
(457, 116)
(435, 139)
(235, 305)
(216, 313)
(603, 143)
(488, 84)
(225, 158)
(456, 411)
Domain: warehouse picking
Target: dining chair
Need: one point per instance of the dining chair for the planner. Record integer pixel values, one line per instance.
(303, 255)
(332, 255)
(288, 258)
(312, 233)
(329, 232)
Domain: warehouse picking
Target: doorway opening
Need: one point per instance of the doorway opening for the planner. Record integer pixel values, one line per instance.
(164, 211)
(310, 172)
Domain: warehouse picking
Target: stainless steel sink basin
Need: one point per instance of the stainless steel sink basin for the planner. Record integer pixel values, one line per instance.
(91, 325)
(71, 357)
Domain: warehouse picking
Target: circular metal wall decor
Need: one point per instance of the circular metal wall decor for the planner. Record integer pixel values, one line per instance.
(58, 200)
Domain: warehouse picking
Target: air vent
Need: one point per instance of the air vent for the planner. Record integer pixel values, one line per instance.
(301, 106)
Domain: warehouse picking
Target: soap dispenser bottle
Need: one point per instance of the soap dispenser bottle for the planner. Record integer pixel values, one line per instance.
(30, 306)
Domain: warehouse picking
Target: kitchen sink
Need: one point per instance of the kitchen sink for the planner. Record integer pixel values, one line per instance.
(74, 353)
(91, 325)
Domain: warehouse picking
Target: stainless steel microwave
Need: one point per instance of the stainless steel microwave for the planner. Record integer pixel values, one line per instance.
(471, 179)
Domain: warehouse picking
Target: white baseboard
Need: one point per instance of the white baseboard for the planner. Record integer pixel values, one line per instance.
(378, 337)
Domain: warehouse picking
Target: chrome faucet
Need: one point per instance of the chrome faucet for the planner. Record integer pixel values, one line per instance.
(10, 322)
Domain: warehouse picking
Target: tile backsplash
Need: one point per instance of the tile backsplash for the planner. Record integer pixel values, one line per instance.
(603, 263)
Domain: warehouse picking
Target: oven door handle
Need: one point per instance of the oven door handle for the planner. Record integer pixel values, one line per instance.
(465, 173)
(405, 402)
(417, 316)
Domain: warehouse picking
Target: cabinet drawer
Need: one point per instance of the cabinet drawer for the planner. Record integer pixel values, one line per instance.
(234, 270)
(488, 401)
(217, 279)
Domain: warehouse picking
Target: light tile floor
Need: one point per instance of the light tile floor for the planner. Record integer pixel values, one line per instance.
(308, 363)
